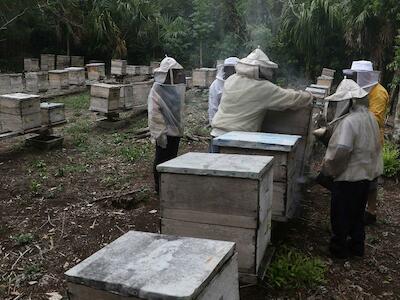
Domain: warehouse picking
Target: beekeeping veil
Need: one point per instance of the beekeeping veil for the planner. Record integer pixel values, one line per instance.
(256, 65)
(165, 104)
(229, 62)
(366, 77)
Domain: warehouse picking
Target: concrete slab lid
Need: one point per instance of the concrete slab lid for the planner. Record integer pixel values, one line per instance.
(96, 65)
(223, 165)
(153, 266)
(19, 96)
(47, 105)
(106, 85)
(258, 140)
(75, 69)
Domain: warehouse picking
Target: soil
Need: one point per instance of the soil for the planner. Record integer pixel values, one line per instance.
(58, 207)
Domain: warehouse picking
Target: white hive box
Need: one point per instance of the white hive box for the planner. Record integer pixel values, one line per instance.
(31, 64)
(328, 72)
(59, 79)
(222, 197)
(16, 82)
(284, 149)
(325, 81)
(118, 67)
(189, 82)
(76, 75)
(37, 81)
(47, 62)
(19, 112)
(319, 93)
(141, 91)
(126, 96)
(204, 77)
(145, 70)
(63, 61)
(77, 61)
(96, 71)
(142, 265)
(132, 70)
(5, 83)
(52, 113)
(104, 97)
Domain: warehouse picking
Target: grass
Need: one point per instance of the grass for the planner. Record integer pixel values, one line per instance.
(133, 153)
(35, 187)
(391, 160)
(23, 239)
(33, 271)
(76, 102)
(71, 169)
(292, 269)
(79, 132)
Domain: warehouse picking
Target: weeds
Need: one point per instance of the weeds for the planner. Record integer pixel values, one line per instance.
(23, 239)
(391, 160)
(135, 152)
(292, 269)
(77, 102)
(35, 187)
(33, 272)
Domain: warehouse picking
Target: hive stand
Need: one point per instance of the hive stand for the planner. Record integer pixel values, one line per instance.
(142, 265)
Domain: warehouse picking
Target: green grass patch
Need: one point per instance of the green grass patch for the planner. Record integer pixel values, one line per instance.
(23, 239)
(70, 169)
(77, 102)
(79, 133)
(136, 152)
(33, 271)
(292, 269)
(391, 160)
(35, 187)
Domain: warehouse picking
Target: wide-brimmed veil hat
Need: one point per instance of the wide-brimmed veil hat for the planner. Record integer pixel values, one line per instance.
(259, 58)
(347, 89)
(167, 64)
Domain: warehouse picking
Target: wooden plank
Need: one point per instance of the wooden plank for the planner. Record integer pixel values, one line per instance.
(209, 194)
(279, 199)
(103, 90)
(244, 238)
(104, 105)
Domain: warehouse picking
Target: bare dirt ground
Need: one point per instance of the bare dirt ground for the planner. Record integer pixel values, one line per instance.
(55, 211)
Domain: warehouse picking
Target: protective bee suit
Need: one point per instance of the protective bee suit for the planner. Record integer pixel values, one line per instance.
(378, 97)
(217, 87)
(249, 94)
(165, 111)
(352, 160)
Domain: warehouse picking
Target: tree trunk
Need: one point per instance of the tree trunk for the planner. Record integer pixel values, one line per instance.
(396, 129)
(201, 53)
(68, 46)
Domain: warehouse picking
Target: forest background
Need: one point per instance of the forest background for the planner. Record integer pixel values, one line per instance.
(302, 36)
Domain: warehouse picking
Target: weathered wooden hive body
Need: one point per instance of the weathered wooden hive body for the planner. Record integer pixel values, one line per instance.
(59, 79)
(5, 84)
(76, 75)
(16, 83)
(63, 61)
(77, 61)
(37, 81)
(47, 62)
(96, 71)
(19, 112)
(141, 91)
(31, 64)
(104, 97)
(222, 197)
(118, 67)
(126, 96)
(52, 113)
(204, 77)
(283, 148)
(142, 265)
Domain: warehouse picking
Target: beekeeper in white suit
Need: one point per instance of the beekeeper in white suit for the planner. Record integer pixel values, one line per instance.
(249, 93)
(165, 111)
(352, 161)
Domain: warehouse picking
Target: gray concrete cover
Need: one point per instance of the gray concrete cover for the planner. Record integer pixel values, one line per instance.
(153, 266)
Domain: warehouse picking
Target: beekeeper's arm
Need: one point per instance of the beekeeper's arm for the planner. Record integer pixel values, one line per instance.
(214, 99)
(283, 99)
(378, 101)
(157, 125)
(339, 150)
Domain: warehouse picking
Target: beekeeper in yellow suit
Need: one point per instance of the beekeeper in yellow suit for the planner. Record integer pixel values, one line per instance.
(249, 94)
(363, 73)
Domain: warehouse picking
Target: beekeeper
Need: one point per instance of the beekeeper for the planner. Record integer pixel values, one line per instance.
(165, 111)
(363, 73)
(215, 93)
(249, 93)
(352, 161)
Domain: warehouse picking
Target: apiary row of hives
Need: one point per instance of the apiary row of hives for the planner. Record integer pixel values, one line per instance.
(48, 62)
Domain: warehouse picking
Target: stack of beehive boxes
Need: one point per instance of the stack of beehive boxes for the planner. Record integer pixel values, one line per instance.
(63, 61)
(5, 84)
(126, 96)
(118, 67)
(76, 76)
(77, 61)
(58, 79)
(31, 64)
(19, 112)
(204, 77)
(52, 113)
(96, 71)
(104, 97)
(37, 81)
(47, 62)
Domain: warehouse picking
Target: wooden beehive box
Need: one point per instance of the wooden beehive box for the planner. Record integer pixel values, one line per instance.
(144, 70)
(37, 81)
(141, 91)
(222, 197)
(154, 65)
(118, 67)
(189, 82)
(76, 75)
(63, 61)
(31, 64)
(317, 92)
(5, 84)
(59, 79)
(47, 62)
(104, 97)
(325, 81)
(16, 83)
(283, 148)
(52, 113)
(204, 77)
(132, 70)
(77, 61)
(328, 72)
(19, 112)
(126, 96)
(142, 265)
(96, 71)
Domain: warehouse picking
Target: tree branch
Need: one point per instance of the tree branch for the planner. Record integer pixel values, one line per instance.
(4, 27)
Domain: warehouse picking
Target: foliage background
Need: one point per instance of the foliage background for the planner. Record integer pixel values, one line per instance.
(301, 35)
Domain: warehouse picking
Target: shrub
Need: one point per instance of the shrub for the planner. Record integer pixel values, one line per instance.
(292, 269)
(391, 160)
